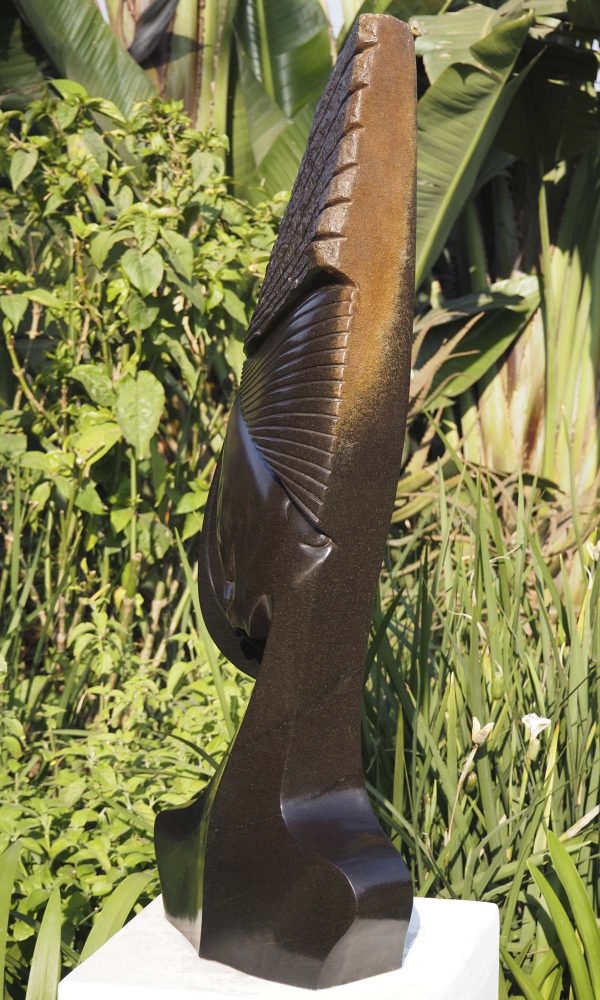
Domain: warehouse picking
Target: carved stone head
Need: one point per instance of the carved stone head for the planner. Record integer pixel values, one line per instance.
(313, 446)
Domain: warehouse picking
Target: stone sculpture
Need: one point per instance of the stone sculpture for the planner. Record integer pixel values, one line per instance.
(282, 857)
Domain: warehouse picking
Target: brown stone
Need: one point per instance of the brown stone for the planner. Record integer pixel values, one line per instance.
(283, 854)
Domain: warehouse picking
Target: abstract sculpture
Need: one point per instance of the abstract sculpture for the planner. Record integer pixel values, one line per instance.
(282, 857)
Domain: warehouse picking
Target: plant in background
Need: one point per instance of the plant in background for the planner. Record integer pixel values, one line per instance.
(473, 625)
(252, 70)
(126, 273)
(569, 939)
(507, 354)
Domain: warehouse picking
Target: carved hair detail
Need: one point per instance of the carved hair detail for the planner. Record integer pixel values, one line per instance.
(315, 224)
(291, 391)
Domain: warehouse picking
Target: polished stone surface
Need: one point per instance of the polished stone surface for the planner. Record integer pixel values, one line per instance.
(283, 854)
(451, 953)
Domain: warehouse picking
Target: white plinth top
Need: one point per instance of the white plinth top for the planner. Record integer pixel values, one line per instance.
(451, 954)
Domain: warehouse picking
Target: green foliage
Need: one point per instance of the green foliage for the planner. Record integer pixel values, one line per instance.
(71, 36)
(574, 927)
(44, 974)
(126, 274)
(481, 714)
(114, 912)
(458, 117)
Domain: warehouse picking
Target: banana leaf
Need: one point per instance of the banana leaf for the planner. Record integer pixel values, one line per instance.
(283, 63)
(458, 117)
(24, 66)
(81, 46)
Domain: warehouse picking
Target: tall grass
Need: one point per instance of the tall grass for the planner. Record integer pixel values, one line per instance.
(472, 633)
(475, 628)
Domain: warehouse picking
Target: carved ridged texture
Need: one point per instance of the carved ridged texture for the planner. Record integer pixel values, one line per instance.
(314, 227)
(291, 390)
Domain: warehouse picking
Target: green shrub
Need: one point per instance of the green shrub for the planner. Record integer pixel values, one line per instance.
(127, 272)
(481, 706)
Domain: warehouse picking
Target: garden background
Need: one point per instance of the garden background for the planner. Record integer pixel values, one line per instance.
(140, 194)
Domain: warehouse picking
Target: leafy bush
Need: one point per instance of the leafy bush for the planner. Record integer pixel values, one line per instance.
(126, 274)
(128, 271)
(481, 707)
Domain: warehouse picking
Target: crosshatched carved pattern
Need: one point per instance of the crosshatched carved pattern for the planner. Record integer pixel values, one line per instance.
(315, 224)
(291, 391)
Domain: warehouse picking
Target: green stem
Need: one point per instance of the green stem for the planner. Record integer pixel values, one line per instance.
(134, 500)
(549, 314)
(478, 278)
(265, 55)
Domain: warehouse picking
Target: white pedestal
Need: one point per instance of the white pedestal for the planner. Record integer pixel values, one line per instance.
(451, 954)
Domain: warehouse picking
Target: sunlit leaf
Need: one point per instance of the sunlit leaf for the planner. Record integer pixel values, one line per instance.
(44, 974)
(144, 270)
(115, 911)
(139, 407)
(21, 165)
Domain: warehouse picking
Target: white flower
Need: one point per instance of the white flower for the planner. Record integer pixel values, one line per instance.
(479, 733)
(593, 550)
(535, 724)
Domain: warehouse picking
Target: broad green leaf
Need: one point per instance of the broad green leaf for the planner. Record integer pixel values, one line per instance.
(94, 441)
(140, 314)
(88, 499)
(115, 911)
(518, 292)
(24, 66)
(284, 61)
(12, 444)
(145, 227)
(582, 986)
(8, 870)
(144, 270)
(204, 165)
(96, 147)
(579, 901)
(96, 382)
(458, 117)
(69, 88)
(52, 463)
(447, 38)
(289, 51)
(234, 352)
(21, 165)
(192, 501)
(140, 403)
(14, 307)
(523, 981)
(81, 45)
(264, 118)
(44, 298)
(175, 351)
(44, 974)
(192, 525)
(481, 348)
(100, 246)
(266, 146)
(554, 116)
(181, 252)
(234, 306)
(120, 517)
